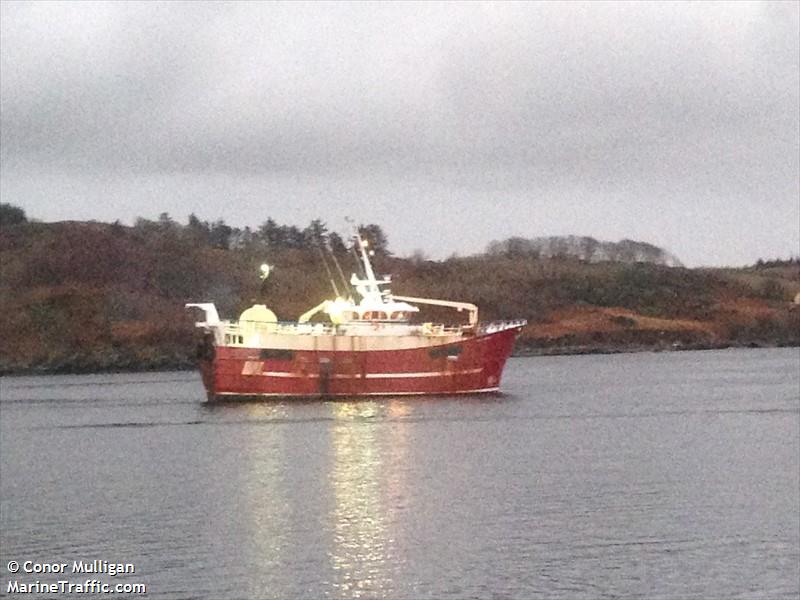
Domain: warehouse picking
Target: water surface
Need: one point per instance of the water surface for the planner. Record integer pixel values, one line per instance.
(670, 475)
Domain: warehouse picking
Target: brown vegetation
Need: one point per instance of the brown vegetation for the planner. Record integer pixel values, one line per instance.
(91, 296)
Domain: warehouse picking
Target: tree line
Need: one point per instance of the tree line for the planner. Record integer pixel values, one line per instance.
(583, 248)
(270, 235)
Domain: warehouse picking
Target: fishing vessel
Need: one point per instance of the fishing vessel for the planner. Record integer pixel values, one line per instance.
(371, 347)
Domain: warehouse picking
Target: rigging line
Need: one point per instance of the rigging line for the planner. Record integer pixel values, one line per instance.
(359, 267)
(339, 268)
(327, 268)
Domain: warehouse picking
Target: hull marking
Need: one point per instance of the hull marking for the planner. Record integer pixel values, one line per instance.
(417, 375)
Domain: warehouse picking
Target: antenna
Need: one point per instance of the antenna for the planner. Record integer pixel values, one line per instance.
(355, 236)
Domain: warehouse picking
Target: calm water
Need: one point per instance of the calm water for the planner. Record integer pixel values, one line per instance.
(658, 475)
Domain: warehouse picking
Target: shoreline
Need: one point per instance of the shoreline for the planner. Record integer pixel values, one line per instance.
(577, 350)
(521, 351)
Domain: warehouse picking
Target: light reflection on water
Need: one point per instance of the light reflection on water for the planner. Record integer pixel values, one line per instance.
(362, 551)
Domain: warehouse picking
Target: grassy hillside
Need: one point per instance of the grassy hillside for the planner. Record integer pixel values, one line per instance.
(93, 296)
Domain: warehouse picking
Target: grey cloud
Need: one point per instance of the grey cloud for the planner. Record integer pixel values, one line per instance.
(260, 87)
(660, 99)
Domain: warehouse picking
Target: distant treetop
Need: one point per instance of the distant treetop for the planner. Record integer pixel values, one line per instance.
(583, 248)
(269, 236)
(11, 215)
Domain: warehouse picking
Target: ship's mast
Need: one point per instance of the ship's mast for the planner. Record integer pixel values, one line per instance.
(363, 245)
(368, 287)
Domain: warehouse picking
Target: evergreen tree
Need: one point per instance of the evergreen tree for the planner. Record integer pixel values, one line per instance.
(316, 233)
(336, 244)
(376, 238)
(11, 215)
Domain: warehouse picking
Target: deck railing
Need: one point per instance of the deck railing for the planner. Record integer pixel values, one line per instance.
(495, 326)
(238, 332)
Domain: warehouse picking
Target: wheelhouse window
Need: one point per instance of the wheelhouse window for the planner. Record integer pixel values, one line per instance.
(375, 315)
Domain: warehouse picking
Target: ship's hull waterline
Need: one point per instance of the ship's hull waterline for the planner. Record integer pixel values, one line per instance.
(472, 364)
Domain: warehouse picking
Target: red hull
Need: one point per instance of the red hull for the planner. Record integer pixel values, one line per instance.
(474, 364)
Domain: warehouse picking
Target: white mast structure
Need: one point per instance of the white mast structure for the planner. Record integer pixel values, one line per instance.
(376, 304)
(368, 288)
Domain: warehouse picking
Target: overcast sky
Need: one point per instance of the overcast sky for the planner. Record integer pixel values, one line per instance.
(448, 124)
